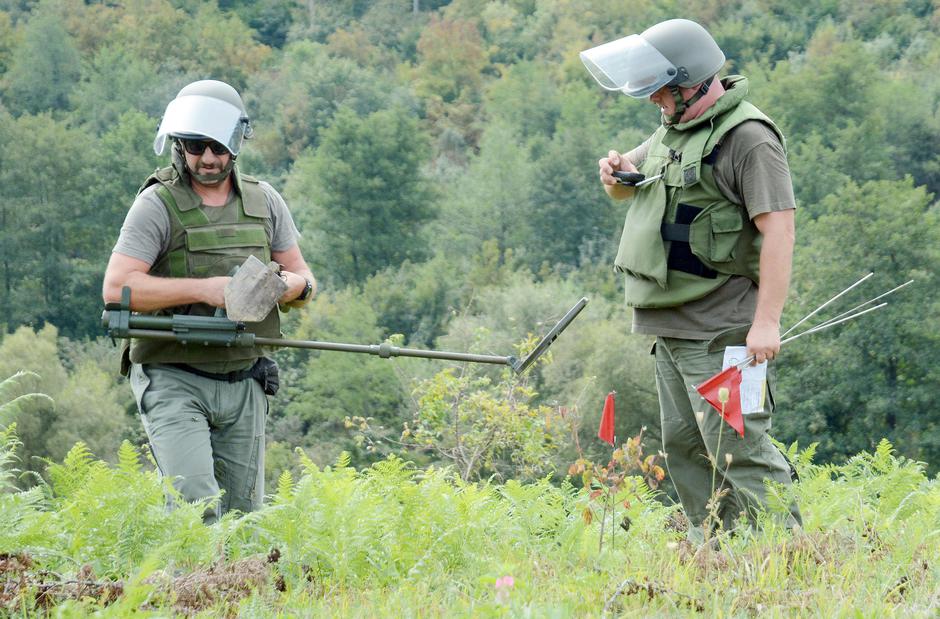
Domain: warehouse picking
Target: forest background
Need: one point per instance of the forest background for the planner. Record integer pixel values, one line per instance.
(439, 159)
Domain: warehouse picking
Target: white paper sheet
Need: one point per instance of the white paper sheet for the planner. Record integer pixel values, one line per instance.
(753, 380)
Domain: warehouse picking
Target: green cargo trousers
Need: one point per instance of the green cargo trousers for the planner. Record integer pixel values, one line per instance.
(206, 435)
(694, 435)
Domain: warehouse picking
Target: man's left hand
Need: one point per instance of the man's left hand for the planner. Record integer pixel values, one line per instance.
(763, 341)
(295, 286)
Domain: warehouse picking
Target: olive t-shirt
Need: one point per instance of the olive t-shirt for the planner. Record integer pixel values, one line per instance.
(750, 170)
(145, 234)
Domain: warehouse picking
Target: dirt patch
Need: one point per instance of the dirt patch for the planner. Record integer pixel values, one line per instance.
(222, 586)
(25, 586)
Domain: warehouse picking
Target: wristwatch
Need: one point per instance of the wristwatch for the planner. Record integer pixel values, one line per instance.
(306, 291)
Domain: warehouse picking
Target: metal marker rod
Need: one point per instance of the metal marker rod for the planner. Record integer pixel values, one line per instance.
(819, 327)
(869, 302)
(816, 311)
(647, 181)
(832, 323)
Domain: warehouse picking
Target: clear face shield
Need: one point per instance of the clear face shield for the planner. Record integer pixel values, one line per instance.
(630, 65)
(203, 116)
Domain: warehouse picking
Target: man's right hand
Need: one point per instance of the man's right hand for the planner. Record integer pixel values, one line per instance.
(213, 290)
(614, 162)
(149, 292)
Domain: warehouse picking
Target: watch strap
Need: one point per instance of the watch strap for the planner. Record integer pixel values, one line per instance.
(306, 291)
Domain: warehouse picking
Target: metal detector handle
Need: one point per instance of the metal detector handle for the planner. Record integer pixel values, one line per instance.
(629, 178)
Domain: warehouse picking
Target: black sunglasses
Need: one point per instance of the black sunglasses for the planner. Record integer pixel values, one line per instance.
(198, 147)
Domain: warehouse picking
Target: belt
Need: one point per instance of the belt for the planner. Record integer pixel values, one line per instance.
(228, 377)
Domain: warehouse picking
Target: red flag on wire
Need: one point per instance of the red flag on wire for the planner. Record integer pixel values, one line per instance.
(730, 410)
(606, 431)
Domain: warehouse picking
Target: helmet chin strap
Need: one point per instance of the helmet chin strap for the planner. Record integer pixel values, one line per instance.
(204, 179)
(682, 105)
(213, 179)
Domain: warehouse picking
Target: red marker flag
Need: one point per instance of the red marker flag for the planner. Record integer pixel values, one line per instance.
(729, 379)
(606, 431)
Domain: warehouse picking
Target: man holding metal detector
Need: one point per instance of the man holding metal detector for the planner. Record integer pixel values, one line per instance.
(191, 225)
(706, 254)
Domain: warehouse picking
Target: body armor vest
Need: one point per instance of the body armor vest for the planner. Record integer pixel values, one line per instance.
(202, 248)
(682, 238)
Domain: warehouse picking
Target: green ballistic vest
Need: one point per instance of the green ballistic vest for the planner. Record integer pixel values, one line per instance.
(682, 238)
(202, 248)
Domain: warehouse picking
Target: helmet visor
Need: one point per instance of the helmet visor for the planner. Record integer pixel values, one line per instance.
(195, 115)
(630, 65)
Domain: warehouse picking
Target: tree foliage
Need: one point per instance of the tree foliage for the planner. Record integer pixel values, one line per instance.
(294, 101)
(439, 158)
(80, 403)
(872, 378)
(48, 226)
(369, 197)
(45, 66)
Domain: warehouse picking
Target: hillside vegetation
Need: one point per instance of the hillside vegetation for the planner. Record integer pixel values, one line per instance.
(393, 540)
(440, 160)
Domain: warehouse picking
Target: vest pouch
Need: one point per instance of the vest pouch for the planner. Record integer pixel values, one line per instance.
(642, 251)
(714, 234)
(216, 250)
(711, 245)
(265, 371)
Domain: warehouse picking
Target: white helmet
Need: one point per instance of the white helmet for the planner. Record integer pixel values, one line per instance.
(205, 109)
(676, 52)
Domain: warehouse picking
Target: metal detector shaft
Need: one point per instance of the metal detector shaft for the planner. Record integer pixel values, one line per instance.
(384, 350)
(219, 331)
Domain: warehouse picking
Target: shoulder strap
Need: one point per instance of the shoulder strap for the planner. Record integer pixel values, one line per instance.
(188, 218)
(743, 112)
(160, 175)
(254, 202)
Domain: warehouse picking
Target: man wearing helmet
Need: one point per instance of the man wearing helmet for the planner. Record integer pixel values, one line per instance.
(190, 225)
(705, 252)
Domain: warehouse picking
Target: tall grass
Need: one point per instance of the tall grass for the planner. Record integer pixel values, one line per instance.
(394, 540)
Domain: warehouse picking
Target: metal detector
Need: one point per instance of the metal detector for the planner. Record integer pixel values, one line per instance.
(121, 322)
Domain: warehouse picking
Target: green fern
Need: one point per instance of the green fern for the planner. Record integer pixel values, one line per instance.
(21, 512)
(128, 459)
(11, 406)
(394, 537)
(8, 445)
(115, 517)
(305, 462)
(343, 460)
(69, 477)
(285, 488)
